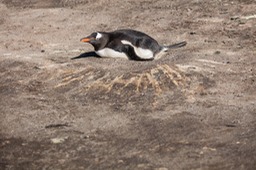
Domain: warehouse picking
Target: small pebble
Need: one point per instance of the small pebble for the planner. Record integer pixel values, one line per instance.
(217, 52)
(58, 140)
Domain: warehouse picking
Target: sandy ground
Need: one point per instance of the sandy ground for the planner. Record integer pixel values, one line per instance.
(193, 109)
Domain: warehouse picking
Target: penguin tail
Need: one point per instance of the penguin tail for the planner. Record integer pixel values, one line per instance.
(166, 48)
(177, 45)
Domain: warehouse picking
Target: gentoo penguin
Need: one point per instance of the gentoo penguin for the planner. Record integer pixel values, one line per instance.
(127, 43)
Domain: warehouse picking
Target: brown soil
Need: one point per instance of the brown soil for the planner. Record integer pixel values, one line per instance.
(193, 109)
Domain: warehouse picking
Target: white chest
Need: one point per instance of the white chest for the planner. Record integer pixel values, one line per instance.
(109, 53)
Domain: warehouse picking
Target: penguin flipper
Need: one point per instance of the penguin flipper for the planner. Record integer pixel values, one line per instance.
(141, 53)
(130, 52)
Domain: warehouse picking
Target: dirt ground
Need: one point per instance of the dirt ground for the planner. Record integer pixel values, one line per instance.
(193, 109)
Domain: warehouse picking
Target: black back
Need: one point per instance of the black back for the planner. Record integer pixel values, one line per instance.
(137, 38)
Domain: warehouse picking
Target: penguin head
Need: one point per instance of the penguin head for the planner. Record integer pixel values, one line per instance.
(97, 39)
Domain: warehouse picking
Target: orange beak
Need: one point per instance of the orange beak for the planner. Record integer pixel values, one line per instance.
(85, 40)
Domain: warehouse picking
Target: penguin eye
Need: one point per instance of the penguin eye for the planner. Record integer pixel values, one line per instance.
(98, 36)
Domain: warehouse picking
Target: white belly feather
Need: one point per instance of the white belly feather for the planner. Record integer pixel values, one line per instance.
(109, 53)
(140, 52)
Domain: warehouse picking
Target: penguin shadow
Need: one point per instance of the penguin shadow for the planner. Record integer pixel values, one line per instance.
(86, 55)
